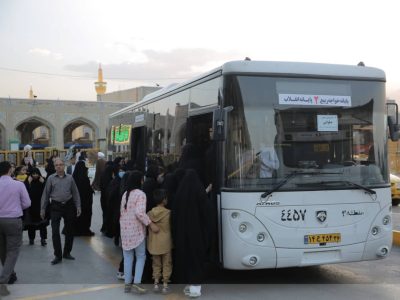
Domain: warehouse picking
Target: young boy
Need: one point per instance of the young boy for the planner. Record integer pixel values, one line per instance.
(159, 244)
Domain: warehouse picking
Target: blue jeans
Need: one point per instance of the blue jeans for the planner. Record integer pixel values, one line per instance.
(140, 253)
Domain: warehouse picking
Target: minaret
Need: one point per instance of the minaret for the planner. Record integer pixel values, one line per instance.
(31, 95)
(100, 85)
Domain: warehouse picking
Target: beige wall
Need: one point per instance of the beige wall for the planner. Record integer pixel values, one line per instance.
(56, 115)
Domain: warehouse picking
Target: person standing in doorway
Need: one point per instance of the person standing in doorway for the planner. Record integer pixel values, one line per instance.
(65, 203)
(14, 199)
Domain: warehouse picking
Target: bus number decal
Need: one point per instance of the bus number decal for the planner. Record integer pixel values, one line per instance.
(293, 215)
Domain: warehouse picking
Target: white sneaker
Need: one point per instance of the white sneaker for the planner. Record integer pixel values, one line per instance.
(186, 290)
(195, 291)
(120, 276)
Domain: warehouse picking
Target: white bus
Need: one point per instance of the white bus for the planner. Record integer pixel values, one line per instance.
(292, 182)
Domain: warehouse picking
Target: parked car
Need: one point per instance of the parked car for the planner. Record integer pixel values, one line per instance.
(395, 187)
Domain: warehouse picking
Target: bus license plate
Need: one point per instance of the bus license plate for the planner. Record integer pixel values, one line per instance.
(322, 238)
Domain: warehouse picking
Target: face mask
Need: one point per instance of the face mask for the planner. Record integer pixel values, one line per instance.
(121, 174)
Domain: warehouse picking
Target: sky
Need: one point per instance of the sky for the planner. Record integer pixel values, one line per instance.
(56, 46)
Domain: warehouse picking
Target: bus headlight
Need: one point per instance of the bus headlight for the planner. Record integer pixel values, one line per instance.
(260, 237)
(386, 220)
(375, 230)
(242, 227)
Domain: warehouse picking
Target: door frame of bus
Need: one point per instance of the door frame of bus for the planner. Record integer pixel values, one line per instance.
(220, 117)
(215, 191)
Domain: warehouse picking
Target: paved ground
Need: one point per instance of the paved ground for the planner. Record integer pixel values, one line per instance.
(92, 276)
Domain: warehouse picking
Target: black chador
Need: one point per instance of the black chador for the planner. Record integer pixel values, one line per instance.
(32, 220)
(83, 222)
(190, 229)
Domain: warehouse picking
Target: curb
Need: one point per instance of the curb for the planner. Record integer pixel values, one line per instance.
(396, 237)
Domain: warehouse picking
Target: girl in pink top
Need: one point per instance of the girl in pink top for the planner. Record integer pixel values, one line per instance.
(133, 221)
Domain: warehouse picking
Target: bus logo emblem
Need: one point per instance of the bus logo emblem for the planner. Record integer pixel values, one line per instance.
(321, 215)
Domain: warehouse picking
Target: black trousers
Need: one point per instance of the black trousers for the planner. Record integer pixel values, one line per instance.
(66, 211)
(42, 230)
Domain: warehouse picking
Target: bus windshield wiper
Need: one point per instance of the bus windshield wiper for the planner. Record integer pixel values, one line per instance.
(291, 175)
(361, 187)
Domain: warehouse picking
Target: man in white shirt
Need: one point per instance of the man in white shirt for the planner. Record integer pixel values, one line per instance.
(269, 161)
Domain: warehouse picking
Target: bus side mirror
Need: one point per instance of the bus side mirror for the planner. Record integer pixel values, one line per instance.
(220, 115)
(393, 129)
(393, 123)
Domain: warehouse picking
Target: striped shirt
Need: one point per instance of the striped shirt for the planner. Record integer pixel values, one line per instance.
(60, 189)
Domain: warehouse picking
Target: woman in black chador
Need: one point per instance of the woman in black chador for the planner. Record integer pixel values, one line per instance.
(35, 185)
(50, 168)
(83, 222)
(105, 179)
(113, 203)
(190, 231)
(150, 184)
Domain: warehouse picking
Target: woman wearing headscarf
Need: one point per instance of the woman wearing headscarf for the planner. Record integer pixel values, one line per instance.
(84, 221)
(190, 231)
(113, 202)
(134, 221)
(35, 185)
(150, 184)
(105, 179)
(28, 159)
(50, 168)
(193, 158)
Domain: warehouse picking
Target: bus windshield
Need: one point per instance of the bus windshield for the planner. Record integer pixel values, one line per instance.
(329, 131)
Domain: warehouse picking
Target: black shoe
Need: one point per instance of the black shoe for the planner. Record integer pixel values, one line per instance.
(56, 260)
(43, 242)
(68, 256)
(13, 278)
(31, 242)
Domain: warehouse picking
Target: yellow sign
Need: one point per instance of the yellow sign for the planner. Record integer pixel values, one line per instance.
(322, 238)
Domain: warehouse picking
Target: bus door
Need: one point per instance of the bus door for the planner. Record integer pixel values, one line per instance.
(138, 147)
(198, 132)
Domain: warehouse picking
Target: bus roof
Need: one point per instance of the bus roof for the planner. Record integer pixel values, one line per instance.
(302, 68)
(274, 68)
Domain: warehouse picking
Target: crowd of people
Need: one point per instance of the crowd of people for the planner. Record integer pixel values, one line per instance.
(163, 213)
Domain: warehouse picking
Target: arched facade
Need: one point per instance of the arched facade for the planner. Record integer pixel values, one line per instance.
(85, 138)
(19, 117)
(24, 131)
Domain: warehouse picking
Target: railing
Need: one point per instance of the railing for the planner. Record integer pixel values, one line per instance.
(41, 155)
